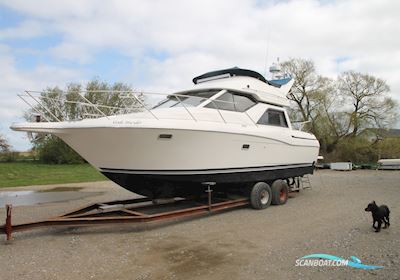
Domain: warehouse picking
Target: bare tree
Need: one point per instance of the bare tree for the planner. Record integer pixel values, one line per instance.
(4, 146)
(369, 105)
(338, 109)
(309, 90)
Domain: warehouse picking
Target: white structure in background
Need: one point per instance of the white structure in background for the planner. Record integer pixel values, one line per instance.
(342, 166)
(389, 164)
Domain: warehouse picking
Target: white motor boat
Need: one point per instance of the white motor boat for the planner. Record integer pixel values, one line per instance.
(231, 128)
(388, 164)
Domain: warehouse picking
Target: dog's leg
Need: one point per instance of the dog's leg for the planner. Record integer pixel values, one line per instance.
(379, 226)
(387, 219)
(373, 224)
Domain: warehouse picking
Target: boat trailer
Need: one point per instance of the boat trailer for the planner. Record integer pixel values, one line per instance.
(138, 211)
(143, 210)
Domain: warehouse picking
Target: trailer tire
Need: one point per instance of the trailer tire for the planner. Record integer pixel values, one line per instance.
(280, 192)
(260, 196)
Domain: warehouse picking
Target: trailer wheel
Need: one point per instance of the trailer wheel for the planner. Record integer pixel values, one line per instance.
(280, 192)
(260, 196)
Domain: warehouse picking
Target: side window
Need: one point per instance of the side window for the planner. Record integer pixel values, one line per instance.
(232, 102)
(273, 117)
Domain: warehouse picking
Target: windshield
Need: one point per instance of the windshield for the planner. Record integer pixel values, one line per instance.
(232, 101)
(192, 99)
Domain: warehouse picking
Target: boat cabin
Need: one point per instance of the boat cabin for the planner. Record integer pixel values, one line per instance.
(237, 90)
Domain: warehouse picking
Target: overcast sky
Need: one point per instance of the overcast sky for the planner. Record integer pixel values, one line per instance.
(162, 45)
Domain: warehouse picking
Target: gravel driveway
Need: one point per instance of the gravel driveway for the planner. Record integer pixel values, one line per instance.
(241, 244)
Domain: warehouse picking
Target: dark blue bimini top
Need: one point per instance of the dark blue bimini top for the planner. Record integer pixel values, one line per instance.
(235, 71)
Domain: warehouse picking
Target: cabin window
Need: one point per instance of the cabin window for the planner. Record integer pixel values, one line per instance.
(192, 99)
(232, 102)
(273, 117)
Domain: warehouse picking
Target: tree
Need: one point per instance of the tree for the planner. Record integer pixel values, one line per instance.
(4, 146)
(75, 103)
(53, 150)
(369, 104)
(313, 97)
(389, 148)
(308, 92)
(339, 109)
(6, 154)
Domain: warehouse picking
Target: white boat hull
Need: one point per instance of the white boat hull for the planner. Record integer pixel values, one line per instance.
(142, 149)
(139, 159)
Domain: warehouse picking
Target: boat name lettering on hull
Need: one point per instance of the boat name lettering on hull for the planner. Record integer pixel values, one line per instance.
(127, 122)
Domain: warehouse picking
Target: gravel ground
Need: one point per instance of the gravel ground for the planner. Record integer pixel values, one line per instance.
(240, 244)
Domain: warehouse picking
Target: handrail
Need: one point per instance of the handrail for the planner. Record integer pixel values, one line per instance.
(219, 112)
(130, 102)
(250, 118)
(44, 107)
(141, 103)
(95, 107)
(301, 124)
(183, 105)
(33, 107)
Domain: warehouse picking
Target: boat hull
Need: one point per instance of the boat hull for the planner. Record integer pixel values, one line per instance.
(190, 182)
(161, 162)
(163, 159)
(145, 149)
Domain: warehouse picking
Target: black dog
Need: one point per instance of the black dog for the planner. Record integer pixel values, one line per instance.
(379, 214)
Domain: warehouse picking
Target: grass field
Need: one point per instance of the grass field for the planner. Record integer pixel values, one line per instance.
(31, 173)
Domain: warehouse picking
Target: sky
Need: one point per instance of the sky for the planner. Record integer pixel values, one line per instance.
(157, 45)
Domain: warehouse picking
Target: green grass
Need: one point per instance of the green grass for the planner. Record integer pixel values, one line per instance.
(31, 173)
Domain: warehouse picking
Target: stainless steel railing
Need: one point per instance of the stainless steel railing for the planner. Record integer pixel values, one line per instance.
(65, 106)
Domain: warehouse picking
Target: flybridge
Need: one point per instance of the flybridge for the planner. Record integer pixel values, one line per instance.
(248, 82)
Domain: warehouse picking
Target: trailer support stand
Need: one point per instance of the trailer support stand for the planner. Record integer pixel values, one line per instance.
(209, 191)
(8, 226)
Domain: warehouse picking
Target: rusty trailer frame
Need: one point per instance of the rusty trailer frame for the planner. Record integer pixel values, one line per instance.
(138, 210)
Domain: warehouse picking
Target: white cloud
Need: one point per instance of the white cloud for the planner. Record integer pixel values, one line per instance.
(14, 81)
(47, 9)
(27, 29)
(198, 36)
(234, 30)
